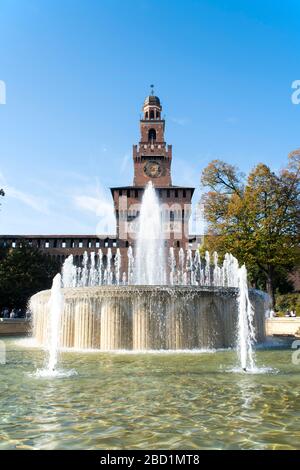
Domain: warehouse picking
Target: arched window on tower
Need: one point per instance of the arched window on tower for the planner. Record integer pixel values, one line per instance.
(146, 115)
(157, 115)
(152, 135)
(152, 114)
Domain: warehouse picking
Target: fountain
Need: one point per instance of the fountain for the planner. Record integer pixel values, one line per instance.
(54, 309)
(159, 301)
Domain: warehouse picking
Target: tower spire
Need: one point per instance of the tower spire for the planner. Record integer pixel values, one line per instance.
(152, 89)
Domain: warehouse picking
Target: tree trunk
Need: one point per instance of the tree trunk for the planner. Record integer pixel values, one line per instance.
(270, 286)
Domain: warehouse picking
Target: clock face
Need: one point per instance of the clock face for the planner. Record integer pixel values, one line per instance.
(153, 169)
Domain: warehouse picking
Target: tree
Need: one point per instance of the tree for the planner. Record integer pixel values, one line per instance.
(256, 219)
(23, 272)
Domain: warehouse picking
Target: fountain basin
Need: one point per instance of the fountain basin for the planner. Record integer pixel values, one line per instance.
(146, 317)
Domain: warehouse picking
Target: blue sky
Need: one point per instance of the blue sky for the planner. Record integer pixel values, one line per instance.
(77, 72)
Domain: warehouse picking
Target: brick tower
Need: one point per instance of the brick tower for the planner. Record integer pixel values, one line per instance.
(152, 159)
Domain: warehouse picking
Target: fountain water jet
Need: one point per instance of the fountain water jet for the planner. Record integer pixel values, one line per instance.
(202, 305)
(150, 251)
(245, 330)
(55, 309)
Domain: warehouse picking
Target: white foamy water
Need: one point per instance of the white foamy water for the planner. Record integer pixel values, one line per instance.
(56, 305)
(245, 329)
(57, 373)
(150, 266)
(255, 370)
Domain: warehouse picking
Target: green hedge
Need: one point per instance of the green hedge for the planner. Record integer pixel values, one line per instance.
(286, 302)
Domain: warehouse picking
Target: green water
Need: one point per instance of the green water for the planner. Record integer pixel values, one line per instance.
(149, 401)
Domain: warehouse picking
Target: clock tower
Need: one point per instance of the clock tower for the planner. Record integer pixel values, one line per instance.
(152, 157)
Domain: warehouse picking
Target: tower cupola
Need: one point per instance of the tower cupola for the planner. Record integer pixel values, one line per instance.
(152, 157)
(152, 107)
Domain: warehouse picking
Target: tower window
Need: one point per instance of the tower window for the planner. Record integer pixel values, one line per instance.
(168, 193)
(176, 192)
(151, 135)
(128, 192)
(152, 114)
(157, 115)
(146, 114)
(136, 194)
(184, 193)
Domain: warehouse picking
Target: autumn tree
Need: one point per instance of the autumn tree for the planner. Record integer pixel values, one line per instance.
(255, 218)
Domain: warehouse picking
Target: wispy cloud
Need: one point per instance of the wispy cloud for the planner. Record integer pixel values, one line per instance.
(39, 205)
(98, 204)
(125, 163)
(181, 121)
(36, 203)
(185, 173)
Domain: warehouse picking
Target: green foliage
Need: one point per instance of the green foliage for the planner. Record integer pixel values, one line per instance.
(288, 302)
(256, 219)
(23, 272)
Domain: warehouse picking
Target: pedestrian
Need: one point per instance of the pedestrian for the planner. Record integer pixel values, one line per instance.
(272, 313)
(5, 313)
(13, 313)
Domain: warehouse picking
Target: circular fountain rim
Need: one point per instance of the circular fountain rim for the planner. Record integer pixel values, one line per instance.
(175, 290)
